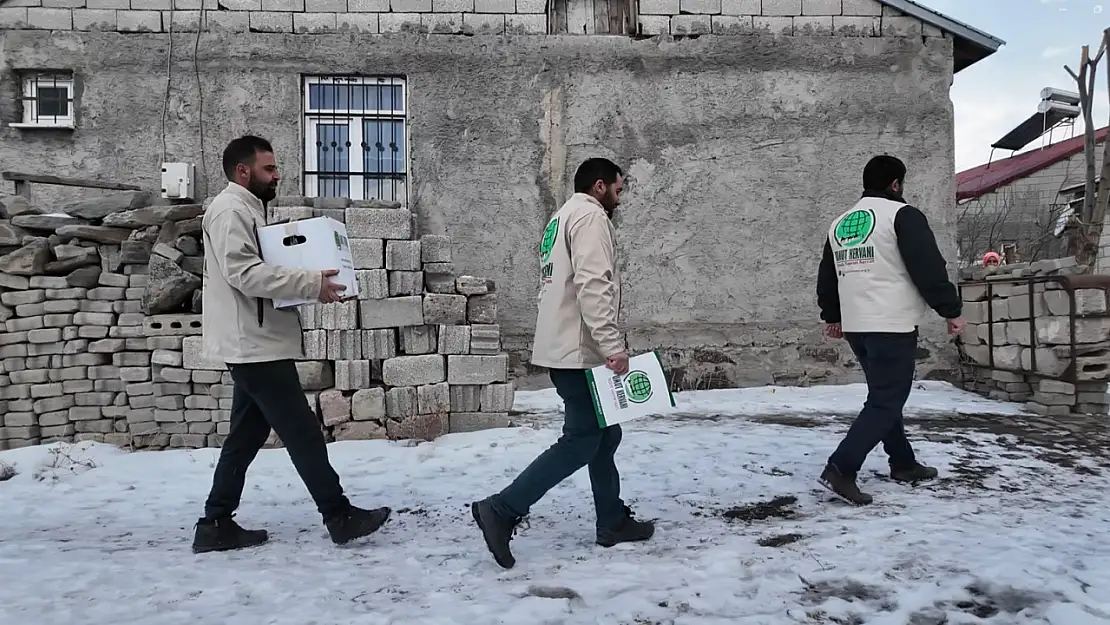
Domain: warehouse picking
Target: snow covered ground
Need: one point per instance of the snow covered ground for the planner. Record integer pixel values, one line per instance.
(94, 535)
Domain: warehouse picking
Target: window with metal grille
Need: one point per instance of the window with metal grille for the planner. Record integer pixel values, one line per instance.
(355, 137)
(47, 100)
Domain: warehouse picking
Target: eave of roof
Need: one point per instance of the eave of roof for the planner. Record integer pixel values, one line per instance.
(971, 44)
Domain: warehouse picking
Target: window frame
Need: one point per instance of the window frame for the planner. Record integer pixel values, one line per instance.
(29, 87)
(596, 13)
(356, 174)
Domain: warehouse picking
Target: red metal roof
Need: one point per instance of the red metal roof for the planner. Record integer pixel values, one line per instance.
(983, 179)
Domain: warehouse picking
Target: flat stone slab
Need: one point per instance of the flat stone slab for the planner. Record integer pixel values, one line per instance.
(152, 215)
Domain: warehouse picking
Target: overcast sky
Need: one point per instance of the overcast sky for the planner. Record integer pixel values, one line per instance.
(996, 94)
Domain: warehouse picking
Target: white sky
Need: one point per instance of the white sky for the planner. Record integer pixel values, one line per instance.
(996, 94)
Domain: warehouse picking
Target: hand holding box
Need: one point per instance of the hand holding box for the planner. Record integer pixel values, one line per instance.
(641, 392)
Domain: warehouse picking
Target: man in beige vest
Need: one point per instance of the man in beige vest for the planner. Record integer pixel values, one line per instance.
(880, 272)
(576, 330)
(259, 344)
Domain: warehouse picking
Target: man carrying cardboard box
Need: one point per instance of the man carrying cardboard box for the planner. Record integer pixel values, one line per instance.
(259, 343)
(576, 330)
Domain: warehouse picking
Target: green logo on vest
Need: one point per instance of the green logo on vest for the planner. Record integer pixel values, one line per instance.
(548, 242)
(855, 228)
(637, 385)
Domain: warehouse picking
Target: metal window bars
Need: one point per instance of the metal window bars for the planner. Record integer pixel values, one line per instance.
(355, 139)
(47, 99)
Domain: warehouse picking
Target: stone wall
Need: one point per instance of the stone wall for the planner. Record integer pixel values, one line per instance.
(1028, 329)
(712, 131)
(100, 304)
(848, 18)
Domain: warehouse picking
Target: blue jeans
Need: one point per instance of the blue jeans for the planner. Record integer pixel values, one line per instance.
(583, 444)
(887, 360)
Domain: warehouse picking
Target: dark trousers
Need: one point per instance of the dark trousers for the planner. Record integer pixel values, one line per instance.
(269, 395)
(583, 444)
(887, 360)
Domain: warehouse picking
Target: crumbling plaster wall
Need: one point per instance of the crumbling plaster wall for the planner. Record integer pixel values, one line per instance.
(740, 150)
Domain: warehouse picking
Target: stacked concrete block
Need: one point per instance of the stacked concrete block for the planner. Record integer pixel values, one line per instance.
(1028, 330)
(844, 18)
(100, 311)
(75, 287)
(418, 353)
(390, 352)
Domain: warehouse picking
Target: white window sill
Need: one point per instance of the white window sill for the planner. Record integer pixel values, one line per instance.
(57, 126)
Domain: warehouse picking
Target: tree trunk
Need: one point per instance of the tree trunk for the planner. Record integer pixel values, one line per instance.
(1100, 205)
(1085, 235)
(1085, 96)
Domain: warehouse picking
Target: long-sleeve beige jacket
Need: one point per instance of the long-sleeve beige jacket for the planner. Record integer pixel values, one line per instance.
(240, 323)
(580, 288)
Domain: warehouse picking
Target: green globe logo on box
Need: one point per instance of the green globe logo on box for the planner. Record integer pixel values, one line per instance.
(855, 228)
(637, 385)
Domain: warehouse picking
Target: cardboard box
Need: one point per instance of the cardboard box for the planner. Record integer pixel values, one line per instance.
(319, 243)
(641, 392)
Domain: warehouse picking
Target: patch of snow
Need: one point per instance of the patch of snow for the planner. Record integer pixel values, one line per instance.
(1004, 538)
(926, 397)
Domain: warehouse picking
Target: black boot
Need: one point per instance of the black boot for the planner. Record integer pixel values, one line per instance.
(630, 530)
(224, 534)
(844, 486)
(496, 530)
(915, 473)
(354, 523)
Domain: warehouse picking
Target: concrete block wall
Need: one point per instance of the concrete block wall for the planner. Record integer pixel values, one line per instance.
(102, 337)
(847, 18)
(1028, 331)
(852, 18)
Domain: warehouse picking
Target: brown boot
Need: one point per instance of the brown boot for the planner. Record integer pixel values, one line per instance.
(844, 487)
(915, 473)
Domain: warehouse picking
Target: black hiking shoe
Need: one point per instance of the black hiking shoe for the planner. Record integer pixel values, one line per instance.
(354, 523)
(915, 473)
(843, 487)
(630, 530)
(496, 530)
(224, 534)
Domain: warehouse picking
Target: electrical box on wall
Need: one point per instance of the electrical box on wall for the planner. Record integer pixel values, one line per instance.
(178, 181)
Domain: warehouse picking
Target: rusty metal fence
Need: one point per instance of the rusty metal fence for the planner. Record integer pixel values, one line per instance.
(1067, 284)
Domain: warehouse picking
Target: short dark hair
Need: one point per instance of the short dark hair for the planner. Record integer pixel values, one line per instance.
(242, 151)
(594, 169)
(882, 170)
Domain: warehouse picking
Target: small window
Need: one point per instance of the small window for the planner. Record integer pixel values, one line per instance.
(47, 100)
(592, 17)
(355, 138)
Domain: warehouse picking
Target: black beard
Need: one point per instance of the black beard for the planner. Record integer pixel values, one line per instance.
(263, 192)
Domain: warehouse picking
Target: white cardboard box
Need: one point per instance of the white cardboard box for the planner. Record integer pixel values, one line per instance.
(319, 243)
(641, 392)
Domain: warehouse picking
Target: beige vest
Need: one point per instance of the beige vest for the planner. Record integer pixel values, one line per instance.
(876, 292)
